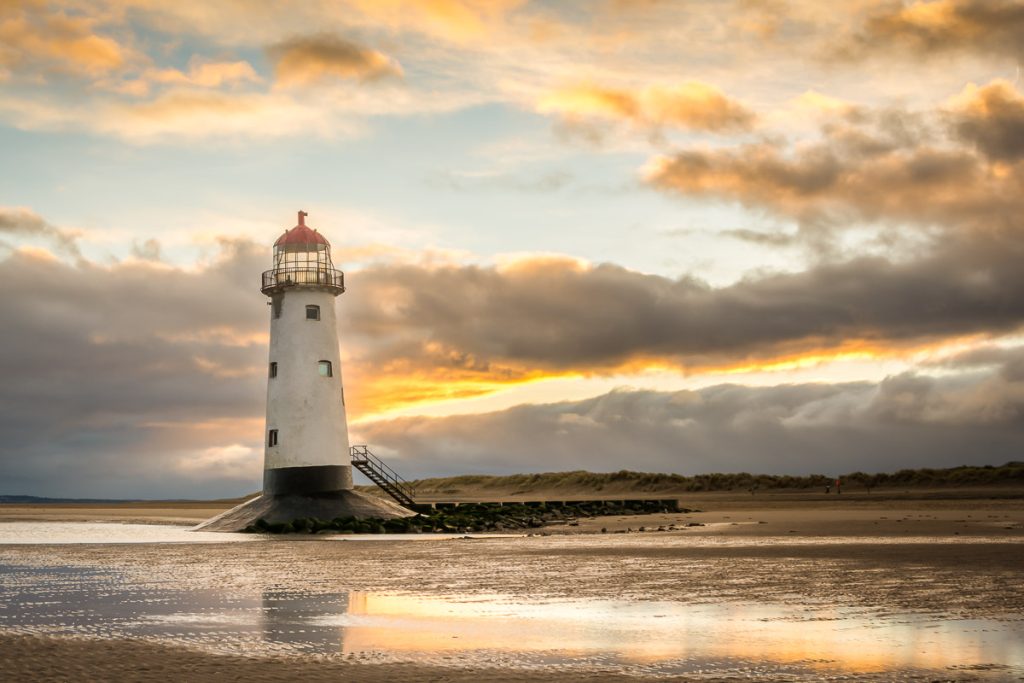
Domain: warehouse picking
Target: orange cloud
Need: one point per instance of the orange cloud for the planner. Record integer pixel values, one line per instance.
(940, 26)
(207, 74)
(311, 59)
(456, 20)
(56, 43)
(692, 105)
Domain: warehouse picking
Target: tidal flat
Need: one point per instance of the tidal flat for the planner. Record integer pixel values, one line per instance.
(933, 594)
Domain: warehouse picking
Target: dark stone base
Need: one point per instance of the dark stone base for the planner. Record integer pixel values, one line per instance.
(307, 480)
(286, 508)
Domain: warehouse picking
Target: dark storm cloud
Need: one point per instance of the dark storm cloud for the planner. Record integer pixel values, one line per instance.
(939, 27)
(107, 371)
(905, 421)
(992, 118)
(555, 315)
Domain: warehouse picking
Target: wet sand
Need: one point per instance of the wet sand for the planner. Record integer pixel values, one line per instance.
(930, 512)
(878, 559)
(65, 659)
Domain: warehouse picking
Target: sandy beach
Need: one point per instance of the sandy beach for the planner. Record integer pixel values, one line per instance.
(774, 564)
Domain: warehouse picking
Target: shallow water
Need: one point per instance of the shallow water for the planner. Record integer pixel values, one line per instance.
(641, 637)
(62, 533)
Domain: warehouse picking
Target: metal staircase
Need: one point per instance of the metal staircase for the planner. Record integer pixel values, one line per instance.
(383, 476)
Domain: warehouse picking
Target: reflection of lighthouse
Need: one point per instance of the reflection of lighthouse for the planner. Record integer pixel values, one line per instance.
(307, 471)
(307, 435)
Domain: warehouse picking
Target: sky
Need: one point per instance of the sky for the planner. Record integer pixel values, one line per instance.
(777, 236)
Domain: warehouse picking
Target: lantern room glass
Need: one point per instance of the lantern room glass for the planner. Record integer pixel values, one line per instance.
(302, 256)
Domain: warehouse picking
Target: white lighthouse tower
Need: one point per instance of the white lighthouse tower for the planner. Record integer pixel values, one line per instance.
(306, 445)
(307, 467)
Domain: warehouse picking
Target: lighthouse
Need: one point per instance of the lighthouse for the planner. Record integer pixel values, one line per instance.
(307, 466)
(306, 448)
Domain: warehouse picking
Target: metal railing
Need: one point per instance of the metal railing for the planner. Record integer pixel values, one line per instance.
(361, 455)
(317, 276)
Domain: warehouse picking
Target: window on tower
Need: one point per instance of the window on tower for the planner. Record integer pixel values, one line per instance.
(272, 437)
(324, 367)
(273, 369)
(312, 312)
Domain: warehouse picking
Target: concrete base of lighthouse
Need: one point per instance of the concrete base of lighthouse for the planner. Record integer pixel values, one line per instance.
(290, 493)
(306, 480)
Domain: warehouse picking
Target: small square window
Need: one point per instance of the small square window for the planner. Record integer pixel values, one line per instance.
(272, 437)
(273, 369)
(312, 312)
(324, 367)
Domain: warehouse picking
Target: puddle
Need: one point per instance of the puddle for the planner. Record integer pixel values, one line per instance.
(62, 533)
(641, 637)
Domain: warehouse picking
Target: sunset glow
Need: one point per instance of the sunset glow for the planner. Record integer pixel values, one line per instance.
(674, 224)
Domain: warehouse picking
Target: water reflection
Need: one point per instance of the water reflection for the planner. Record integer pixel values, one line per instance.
(295, 620)
(653, 637)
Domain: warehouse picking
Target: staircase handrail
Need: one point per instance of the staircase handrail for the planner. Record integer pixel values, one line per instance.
(362, 452)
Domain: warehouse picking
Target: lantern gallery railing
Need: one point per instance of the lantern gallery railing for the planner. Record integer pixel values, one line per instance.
(285, 277)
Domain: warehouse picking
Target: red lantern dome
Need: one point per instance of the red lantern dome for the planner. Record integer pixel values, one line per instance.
(301, 234)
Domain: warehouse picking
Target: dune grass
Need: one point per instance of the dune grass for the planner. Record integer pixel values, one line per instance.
(624, 481)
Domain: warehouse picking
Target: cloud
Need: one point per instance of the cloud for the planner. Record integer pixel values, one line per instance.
(991, 117)
(306, 60)
(459, 21)
(884, 165)
(116, 373)
(156, 374)
(689, 106)
(186, 113)
(772, 239)
(560, 317)
(905, 421)
(25, 223)
(207, 74)
(941, 26)
(32, 44)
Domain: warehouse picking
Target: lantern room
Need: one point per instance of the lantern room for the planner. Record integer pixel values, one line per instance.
(302, 257)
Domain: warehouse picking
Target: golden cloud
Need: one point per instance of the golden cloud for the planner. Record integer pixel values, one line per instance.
(456, 20)
(692, 105)
(56, 43)
(873, 165)
(207, 74)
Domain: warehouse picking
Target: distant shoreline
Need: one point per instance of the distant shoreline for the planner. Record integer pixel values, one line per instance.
(966, 479)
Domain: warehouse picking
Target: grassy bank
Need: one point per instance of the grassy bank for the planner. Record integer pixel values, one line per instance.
(626, 482)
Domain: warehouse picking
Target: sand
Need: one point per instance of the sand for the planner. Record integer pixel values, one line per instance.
(65, 659)
(956, 556)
